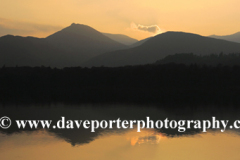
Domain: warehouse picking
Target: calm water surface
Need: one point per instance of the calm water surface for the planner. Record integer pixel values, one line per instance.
(111, 144)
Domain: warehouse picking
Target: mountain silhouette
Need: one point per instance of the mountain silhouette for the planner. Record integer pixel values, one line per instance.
(68, 47)
(81, 45)
(162, 45)
(233, 37)
(29, 51)
(121, 38)
(212, 59)
(139, 42)
(82, 42)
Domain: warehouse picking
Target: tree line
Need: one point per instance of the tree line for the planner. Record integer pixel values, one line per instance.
(164, 83)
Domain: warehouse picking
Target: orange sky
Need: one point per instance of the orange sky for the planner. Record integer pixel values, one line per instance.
(41, 18)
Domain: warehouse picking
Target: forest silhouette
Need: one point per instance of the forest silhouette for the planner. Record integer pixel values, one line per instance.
(164, 83)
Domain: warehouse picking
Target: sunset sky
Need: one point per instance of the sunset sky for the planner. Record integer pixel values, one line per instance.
(137, 18)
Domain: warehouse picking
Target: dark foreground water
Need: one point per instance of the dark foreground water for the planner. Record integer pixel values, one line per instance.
(119, 144)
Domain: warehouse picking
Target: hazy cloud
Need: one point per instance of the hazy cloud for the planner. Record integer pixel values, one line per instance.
(25, 28)
(152, 29)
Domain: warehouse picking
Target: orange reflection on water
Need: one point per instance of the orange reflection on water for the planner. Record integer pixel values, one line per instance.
(146, 136)
(130, 145)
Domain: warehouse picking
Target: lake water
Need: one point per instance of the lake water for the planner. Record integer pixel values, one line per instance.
(119, 144)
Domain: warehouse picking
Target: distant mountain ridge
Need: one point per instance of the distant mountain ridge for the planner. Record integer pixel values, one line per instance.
(209, 60)
(162, 45)
(233, 37)
(82, 42)
(28, 51)
(126, 40)
(81, 45)
(69, 47)
(139, 42)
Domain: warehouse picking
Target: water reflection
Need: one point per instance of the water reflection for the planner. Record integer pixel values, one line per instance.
(41, 145)
(114, 143)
